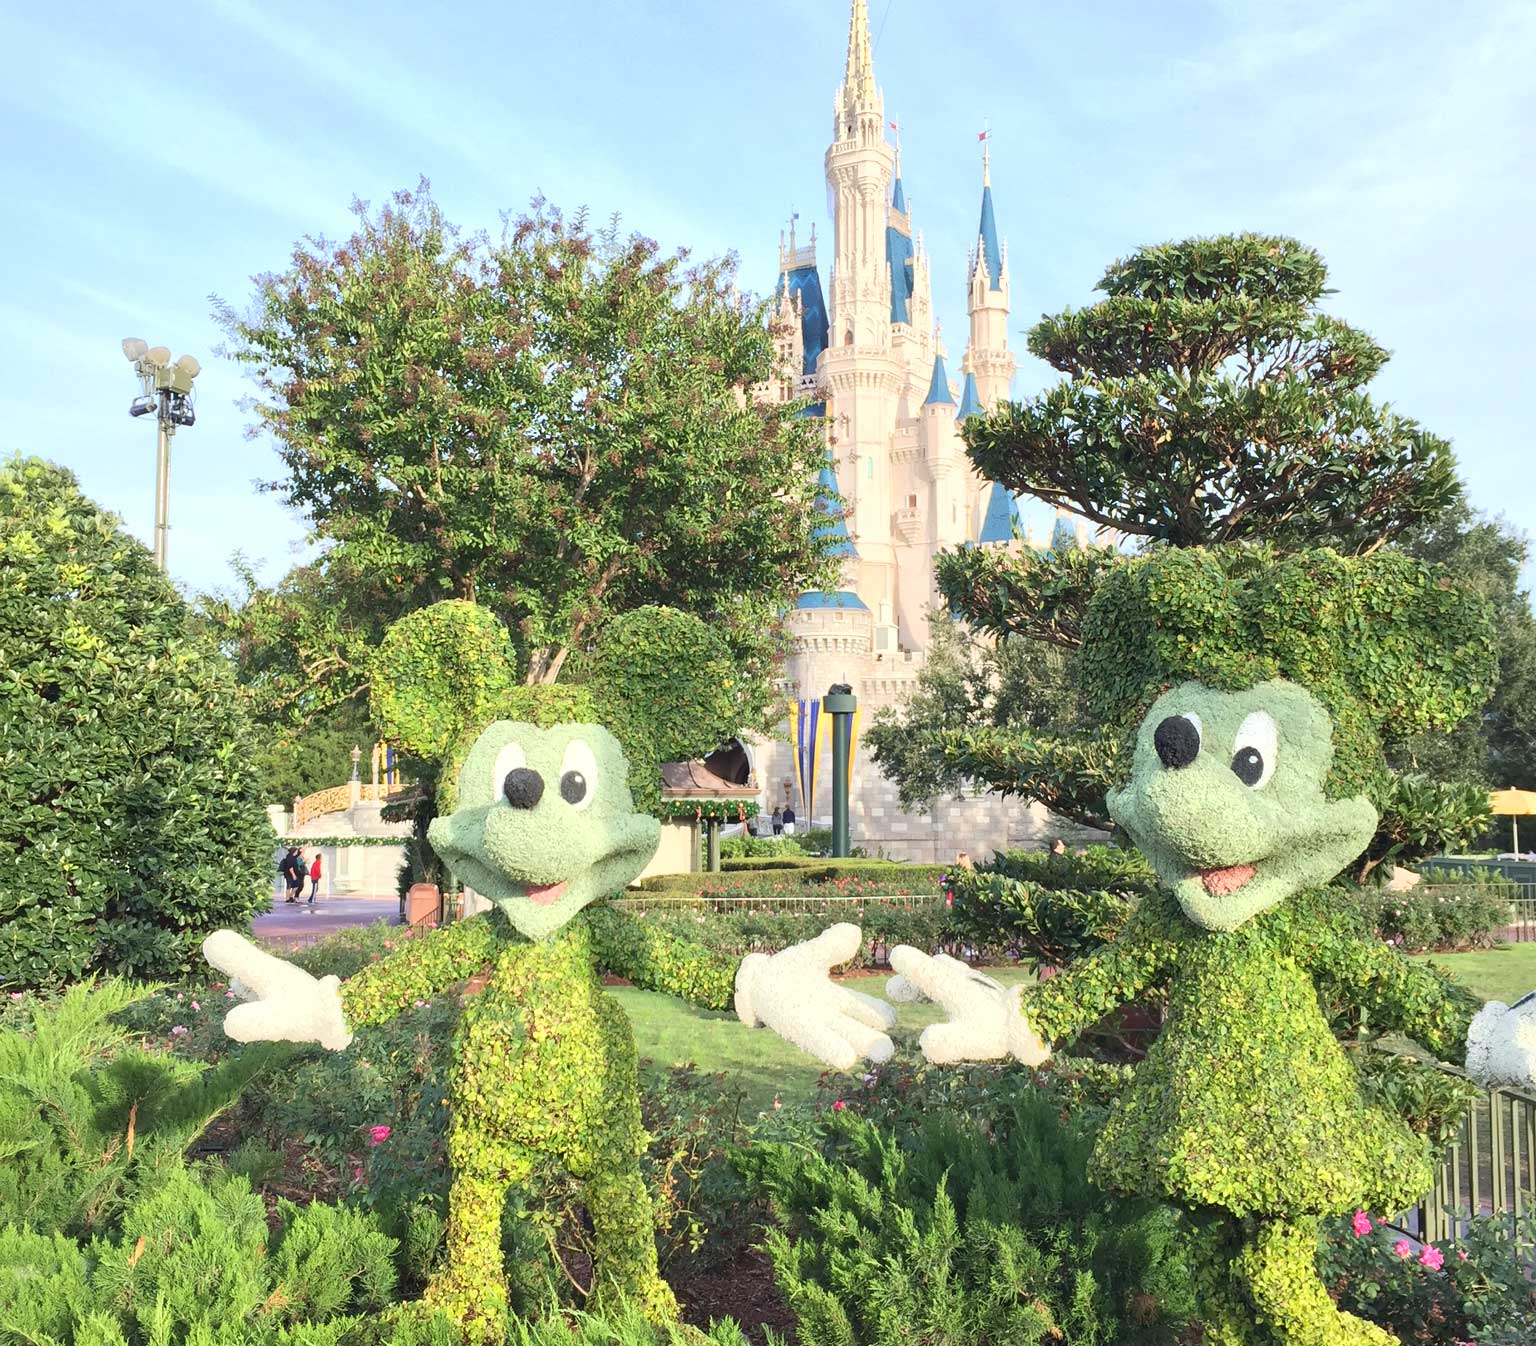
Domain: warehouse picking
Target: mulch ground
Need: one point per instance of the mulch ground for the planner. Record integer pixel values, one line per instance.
(743, 1289)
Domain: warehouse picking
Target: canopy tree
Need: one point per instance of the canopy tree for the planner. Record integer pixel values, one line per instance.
(552, 423)
(1208, 402)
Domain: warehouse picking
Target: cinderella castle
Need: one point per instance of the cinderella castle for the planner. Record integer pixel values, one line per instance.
(867, 354)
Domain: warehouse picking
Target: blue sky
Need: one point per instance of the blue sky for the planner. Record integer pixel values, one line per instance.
(151, 161)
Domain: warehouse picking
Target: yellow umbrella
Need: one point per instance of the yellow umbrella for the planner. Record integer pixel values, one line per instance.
(1512, 804)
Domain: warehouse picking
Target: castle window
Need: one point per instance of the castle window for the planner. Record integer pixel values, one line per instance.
(911, 502)
(869, 468)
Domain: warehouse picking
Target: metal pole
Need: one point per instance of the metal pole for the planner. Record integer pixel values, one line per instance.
(839, 702)
(712, 833)
(162, 478)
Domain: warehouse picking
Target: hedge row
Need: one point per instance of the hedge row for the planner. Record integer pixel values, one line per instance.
(872, 877)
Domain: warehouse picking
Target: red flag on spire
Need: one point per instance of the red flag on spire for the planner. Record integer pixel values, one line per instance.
(984, 135)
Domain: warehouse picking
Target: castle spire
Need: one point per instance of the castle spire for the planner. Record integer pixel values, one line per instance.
(987, 303)
(859, 75)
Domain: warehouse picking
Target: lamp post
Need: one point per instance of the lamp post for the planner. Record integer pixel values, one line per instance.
(165, 389)
(839, 703)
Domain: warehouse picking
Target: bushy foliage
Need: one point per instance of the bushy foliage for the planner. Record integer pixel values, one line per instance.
(967, 1232)
(747, 847)
(804, 875)
(1431, 917)
(129, 809)
(1050, 908)
(85, 1111)
(194, 1260)
(1475, 1290)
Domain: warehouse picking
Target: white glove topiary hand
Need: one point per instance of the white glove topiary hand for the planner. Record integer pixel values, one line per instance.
(791, 993)
(285, 1004)
(1501, 1043)
(985, 1021)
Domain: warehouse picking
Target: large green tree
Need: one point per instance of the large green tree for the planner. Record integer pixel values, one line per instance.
(130, 816)
(552, 423)
(1207, 401)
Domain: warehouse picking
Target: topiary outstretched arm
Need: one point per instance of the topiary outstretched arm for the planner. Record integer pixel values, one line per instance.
(631, 948)
(429, 966)
(1140, 957)
(1415, 999)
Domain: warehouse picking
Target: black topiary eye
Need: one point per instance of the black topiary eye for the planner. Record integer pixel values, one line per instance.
(573, 787)
(578, 775)
(1177, 740)
(1249, 766)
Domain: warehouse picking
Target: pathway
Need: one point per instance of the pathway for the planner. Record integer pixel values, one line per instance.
(290, 927)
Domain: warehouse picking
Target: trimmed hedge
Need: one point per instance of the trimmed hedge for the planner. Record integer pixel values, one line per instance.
(779, 880)
(130, 809)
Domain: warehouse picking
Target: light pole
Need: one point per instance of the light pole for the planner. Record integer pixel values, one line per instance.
(166, 390)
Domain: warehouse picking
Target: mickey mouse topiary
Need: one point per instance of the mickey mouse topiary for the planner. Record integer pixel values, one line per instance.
(1260, 694)
(537, 813)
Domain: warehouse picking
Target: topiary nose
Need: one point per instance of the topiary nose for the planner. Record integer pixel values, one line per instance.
(523, 788)
(1177, 741)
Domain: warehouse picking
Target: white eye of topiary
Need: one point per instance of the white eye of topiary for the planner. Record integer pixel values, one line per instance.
(508, 760)
(1254, 749)
(578, 775)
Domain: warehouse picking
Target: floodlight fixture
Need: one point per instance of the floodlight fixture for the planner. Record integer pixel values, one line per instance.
(165, 390)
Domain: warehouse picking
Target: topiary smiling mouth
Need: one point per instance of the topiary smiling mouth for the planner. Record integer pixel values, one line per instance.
(1227, 880)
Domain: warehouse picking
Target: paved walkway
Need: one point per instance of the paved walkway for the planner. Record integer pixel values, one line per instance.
(303, 924)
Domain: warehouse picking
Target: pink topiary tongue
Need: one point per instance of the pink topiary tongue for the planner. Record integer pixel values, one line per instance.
(547, 894)
(1223, 882)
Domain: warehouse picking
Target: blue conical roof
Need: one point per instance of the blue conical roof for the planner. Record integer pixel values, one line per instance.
(805, 284)
(997, 523)
(898, 252)
(970, 400)
(898, 197)
(990, 249)
(938, 387)
(835, 526)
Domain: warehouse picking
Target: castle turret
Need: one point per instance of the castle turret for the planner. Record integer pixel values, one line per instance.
(987, 303)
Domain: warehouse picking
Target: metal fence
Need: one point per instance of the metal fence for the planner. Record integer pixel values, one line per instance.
(1490, 1169)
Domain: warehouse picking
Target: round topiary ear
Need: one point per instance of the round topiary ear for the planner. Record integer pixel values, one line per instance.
(665, 681)
(437, 675)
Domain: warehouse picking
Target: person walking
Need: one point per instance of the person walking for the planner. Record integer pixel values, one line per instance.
(789, 820)
(314, 879)
(291, 867)
(778, 822)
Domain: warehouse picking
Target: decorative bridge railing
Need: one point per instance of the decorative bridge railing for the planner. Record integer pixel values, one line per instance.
(336, 799)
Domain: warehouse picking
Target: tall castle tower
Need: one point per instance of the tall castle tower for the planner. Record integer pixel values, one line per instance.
(875, 368)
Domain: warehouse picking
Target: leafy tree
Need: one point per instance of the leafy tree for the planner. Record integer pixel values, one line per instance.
(292, 762)
(1208, 399)
(129, 809)
(1497, 749)
(1207, 402)
(551, 424)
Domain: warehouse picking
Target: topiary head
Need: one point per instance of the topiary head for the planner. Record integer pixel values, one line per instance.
(544, 821)
(1227, 799)
(1219, 659)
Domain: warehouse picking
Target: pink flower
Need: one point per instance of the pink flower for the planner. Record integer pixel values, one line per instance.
(18, 995)
(1401, 1248)
(1362, 1225)
(1432, 1258)
(777, 1104)
(378, 1135)
(839, 1106)
(229, 995)
(1461, 1253)
(357, 1173)
(178, 1030)
(420, 1004)
(196, 1006)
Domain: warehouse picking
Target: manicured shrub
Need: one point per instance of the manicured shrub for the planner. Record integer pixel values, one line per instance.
(1049, 908)
(129, 807)
(1433, 917)
(750, 847)
(967, 1232)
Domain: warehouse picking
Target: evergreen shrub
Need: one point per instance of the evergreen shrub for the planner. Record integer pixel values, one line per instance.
(965, 1231)
(130, 810)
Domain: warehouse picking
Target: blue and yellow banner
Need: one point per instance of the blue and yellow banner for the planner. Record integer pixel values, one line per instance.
(805, 717)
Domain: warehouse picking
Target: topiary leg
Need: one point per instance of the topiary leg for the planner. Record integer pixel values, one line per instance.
(624, 1238)
(471, 1288)
(1278, 1269)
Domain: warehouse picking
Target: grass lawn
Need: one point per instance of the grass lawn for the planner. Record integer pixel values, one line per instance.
(1505, 973)
(668, 1032)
